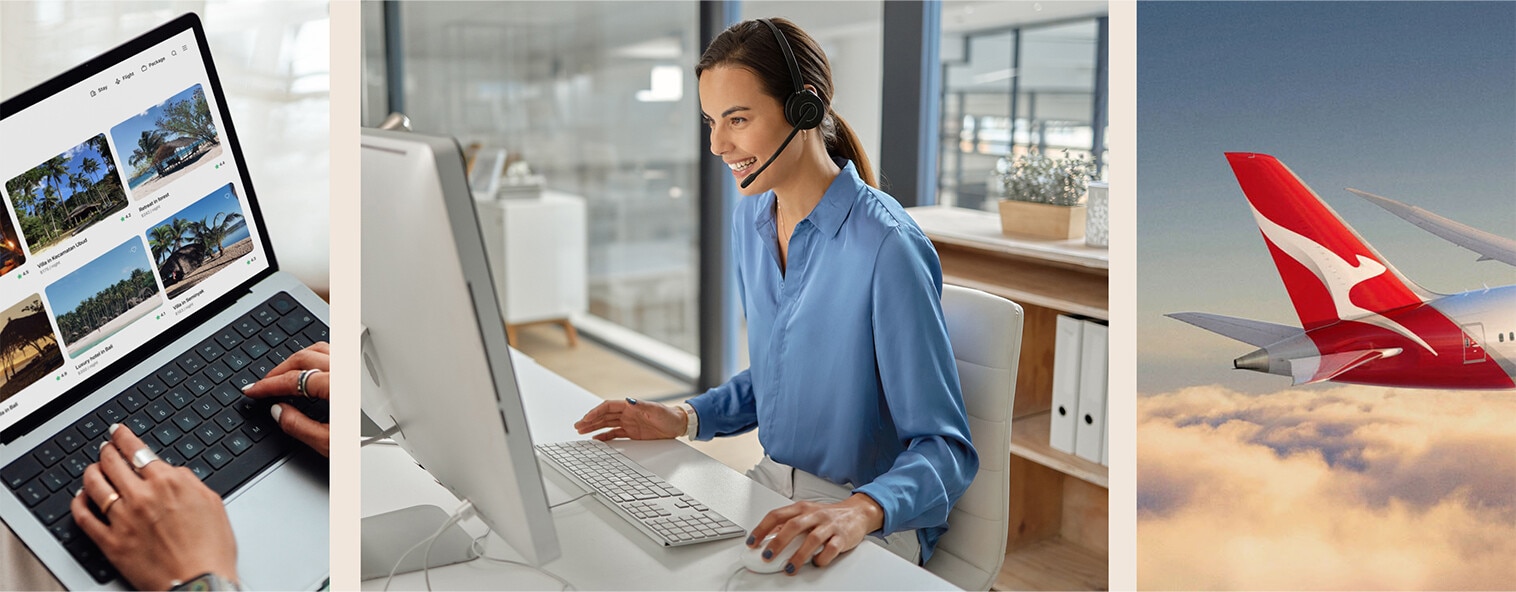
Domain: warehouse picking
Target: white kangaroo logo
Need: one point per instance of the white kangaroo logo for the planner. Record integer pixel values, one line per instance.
(1337, 274)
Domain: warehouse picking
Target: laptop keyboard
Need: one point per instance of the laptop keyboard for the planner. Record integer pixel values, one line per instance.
(190, 411)
(639, 496)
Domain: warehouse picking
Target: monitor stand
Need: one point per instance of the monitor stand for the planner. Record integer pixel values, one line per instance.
(386, 536)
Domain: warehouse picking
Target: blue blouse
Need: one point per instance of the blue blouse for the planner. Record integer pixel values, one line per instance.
(851, 376)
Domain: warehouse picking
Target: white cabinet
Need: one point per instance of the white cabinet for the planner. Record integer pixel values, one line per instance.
(537, 257)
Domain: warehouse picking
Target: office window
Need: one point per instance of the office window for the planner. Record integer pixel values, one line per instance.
(598, 98)
(1016, 77)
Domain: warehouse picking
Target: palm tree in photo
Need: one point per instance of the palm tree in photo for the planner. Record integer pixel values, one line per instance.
(183, 228)
(164, 241)
(89, 167)
(51, 203)
(147, 147)
(55, 170)
(213, 233)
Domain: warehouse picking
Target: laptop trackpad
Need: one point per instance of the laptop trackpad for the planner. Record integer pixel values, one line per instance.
(281, 526)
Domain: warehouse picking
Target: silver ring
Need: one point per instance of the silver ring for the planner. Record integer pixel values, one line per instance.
(143, 457)
(305, 375)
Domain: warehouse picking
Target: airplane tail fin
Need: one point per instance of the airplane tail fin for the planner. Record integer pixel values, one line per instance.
(1331, 273)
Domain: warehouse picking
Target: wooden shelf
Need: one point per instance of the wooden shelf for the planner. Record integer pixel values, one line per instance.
(1029, 440)
(981, 230)
(1065, 276)
(1052, 564)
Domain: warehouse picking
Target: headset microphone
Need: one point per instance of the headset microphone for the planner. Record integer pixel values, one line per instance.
(750, 178)
(802, 109)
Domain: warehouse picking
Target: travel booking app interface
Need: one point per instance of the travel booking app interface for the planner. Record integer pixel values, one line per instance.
(123, 214)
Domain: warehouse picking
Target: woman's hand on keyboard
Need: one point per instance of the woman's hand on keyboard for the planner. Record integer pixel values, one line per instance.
(162, 525)
(637, 420)
(284, 381)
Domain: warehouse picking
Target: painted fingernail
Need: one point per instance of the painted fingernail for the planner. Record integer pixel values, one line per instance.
(248, 386)
(750, 541)
(79, 493)
(631, 401)
(112, 430)
(102, 444)
(768, 554)
(276, 411)
(789, 568)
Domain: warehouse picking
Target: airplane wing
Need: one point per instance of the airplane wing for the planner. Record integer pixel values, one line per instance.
(1489, 246)
(1248, 331)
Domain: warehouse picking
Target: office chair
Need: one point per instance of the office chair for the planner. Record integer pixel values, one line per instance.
(985, 331)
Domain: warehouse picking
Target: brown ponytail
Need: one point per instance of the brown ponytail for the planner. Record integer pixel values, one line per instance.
(751, 45)
(842, 142)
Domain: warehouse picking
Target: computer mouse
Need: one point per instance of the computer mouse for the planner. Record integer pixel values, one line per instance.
(752, 559)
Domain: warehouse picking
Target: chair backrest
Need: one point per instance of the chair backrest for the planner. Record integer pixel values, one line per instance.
(985, 331)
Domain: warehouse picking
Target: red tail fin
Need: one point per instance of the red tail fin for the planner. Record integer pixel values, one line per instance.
(1330, 272)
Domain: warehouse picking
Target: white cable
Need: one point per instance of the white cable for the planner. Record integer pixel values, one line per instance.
(463, 512)
(572, 500)
(382, 437)
(474, 546)
(480, 552)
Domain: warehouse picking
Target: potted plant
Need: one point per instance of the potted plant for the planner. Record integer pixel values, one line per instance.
(1044, 196)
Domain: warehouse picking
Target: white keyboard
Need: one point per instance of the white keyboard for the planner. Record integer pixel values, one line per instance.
(655, 507)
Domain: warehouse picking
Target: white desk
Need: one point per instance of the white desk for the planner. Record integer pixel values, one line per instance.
(600, 550)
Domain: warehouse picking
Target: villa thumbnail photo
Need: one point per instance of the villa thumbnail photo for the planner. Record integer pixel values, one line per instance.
(28, 348)
(11, 254)
(103, 297)
(65, 195)
(200, 240)
(167, 141)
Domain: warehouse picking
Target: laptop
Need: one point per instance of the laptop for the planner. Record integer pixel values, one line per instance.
(138, 286)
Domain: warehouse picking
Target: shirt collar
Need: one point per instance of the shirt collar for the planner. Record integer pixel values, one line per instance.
(835, 204)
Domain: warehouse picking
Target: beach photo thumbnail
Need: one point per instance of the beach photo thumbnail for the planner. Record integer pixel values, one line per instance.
(65, 195)
(11, 253)
(104, 296)
(28, 348)
(167, 141)
(200, 240)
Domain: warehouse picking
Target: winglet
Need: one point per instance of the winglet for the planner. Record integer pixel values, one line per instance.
(1490, 247)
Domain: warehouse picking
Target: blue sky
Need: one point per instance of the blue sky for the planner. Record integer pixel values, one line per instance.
(114, 266)
(220, 200)
(1412, 101)
(75, 157)
(125, 135)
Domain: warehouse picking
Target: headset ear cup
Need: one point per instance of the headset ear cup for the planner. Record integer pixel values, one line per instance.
(804, 109)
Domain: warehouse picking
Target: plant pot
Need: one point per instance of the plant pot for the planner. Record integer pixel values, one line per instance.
(1042, 221)
(1097, 225)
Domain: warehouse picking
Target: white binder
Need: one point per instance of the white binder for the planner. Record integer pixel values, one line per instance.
(1089, 436)
(1066, 356)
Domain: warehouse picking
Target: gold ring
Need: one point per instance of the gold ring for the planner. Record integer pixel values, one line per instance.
(110, 502)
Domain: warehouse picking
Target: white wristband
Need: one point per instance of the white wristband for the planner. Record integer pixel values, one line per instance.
(691, 421)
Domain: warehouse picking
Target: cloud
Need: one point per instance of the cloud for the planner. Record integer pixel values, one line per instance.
(1346, 488)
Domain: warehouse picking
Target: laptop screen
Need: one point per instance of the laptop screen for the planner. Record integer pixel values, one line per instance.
(125, 213)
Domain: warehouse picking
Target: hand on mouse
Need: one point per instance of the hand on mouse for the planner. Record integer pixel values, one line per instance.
(832, 528)
(637, 420)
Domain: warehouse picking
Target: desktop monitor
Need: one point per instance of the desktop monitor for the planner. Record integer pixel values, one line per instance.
(437, 369)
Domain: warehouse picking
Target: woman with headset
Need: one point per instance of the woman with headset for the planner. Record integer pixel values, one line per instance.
(852, 378)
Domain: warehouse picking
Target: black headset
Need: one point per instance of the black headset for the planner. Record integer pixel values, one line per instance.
(803, 109)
